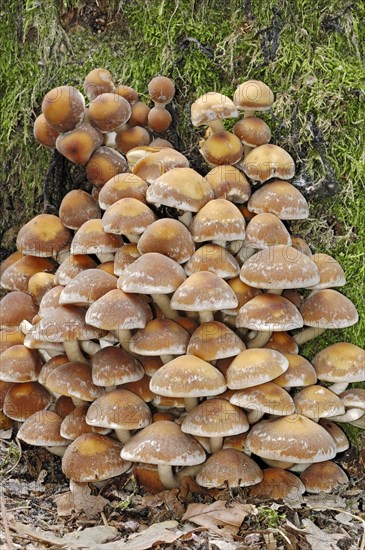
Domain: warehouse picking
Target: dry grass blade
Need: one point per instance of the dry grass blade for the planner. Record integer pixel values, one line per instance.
(9, 541)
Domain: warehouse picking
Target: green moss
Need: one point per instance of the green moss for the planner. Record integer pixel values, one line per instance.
(313, 58)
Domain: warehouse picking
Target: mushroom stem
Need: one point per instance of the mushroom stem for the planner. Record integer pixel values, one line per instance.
(166, 358)
(167, 477)
(133, 238)
(338, 387)
(123, 336)
(186, 218)
(247, 113)
(223, 244)
(89, 347)
(105, 257)
(299, 467)
(163, 302)
(350, 415)
(308, 334)
(73, 351)
(188, 471)
(259, 340)
(244, 254)
(206, 316)
(216, 126)
(190, 403)
(58, 450)
(63, 255)
(215, 443)
(255, 415)
(246, 150)
(122, 435)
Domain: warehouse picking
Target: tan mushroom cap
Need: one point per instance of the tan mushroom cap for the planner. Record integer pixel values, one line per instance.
(14, 307)
(330, 271)
(215, 258)
(339, 436)
(323, 477)
(268, 161)
(10, 337)
(78, 144)
(44, 235)
(74, 424)
(161, 89)
(87, 287)
(278, 267)
(77, 207)
(252, 131)
(278, 484)
(214, 340)
(328, 308)
(24, 399)
(125, 256)
(283, 342)
(63, 108)
(119, 409)
(318, 402)
(93, 457)
(112, 366)
(340, 362)
(300, 372)
(181, 188)
(266, 230)
(159, 119)
(108, 112)
(74, 380)
(49, 300)
(163, 443)
(293, 438)
(139, 114)
(253, 95)
(141, 388)
(157, 163)
(243, 292)
(19, 364)
(50, 366)
(255, 366)
(160, 337)
(152, 273)
(65, 324)
(120, 187)
(127, 92)
(212, 106)
(353, 397)
(265, 398)
(128, 216)
(91, 238)
(229, 467)
(118, 310)
(269, 312)
(44, 133)
(218, 220)
(98, 81)
(221, 148)
(104, 164)
(168, 237)
(43, 429)
(215, 418)
(229, 183)
(39, 284)
(128, 138)
(71, 266)
(17, 275)
(188, 376)
(280, 198)
(203, 291)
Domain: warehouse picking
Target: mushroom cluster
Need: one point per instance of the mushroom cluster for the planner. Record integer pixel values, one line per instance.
(172, 343)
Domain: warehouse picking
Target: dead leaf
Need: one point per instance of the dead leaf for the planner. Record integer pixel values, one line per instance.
(320, 539)
(80, 499)
(91, 537)
(219, 518)
(158, 533)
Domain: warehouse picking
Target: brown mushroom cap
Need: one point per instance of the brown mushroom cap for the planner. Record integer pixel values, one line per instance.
(268, 161)
(159, 120)
(243, 292)
(24, 399)
(300, 372)
(293, 438)
(255, 366)
(78, 144)
(328, 308)
(112, 366)
(50, 366)
(279, 267)
(10, 337)
(269, 312)
(229, 183)
(278, 484)
(214, 340)
(265, 398)
(212, 106)
(127, 138)
(266, 230)
(63, 108)
(104, 164)
(330, 271)
(120, 187)
(127, 92)
(340, 362)
(317, 402)
(181, 188)
(253, 95)
(43, 429)
(125, 256)
(215, 418)
(19, 364)
(323, 477)
(163, 443)
(128, 216)
(77, 207)
(168, 237)
(98, 81)
(74, 380)
(91, 238)
(109, 111)
(160, 337)
(39, 284)
(187, 376)
(161, 89)
(65, 324)
(44, 235)
(87, 287)
(71, 266)
(222, 148)
(229, 467)
(215, 258)
(157, 163)
(14, 307)
(74, 424)
(252, 131)
(280, 198)
(119, 409)
(44, 133)
(17, 275)
(218, 220)
(93, 457)
(339, 436)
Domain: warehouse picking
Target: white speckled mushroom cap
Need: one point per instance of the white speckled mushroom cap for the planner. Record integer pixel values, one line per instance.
(328, 308)
(212, 106)
(340, 362)
(269, 312)
(204, 291)
(229, 466)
